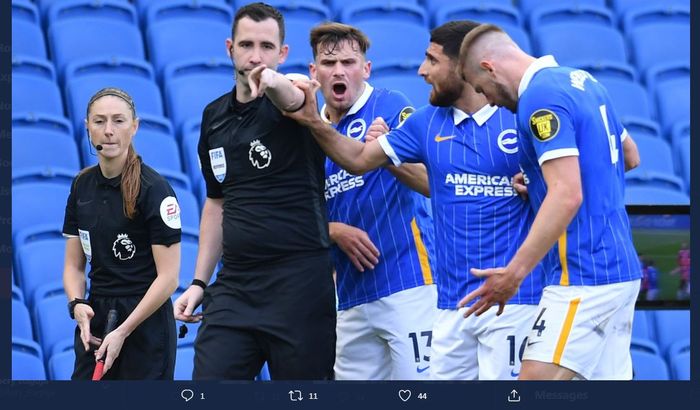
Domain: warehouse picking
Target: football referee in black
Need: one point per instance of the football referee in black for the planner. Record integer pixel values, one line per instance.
(265, 211)
(123, 218)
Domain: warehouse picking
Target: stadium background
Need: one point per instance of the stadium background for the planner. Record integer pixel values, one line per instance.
(169, 55)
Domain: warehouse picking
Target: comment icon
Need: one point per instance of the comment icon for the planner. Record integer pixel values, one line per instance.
(187, 394)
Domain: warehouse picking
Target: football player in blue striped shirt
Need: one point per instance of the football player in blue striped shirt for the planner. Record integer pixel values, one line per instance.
(387, 300)
(471, 154)
(572, 154)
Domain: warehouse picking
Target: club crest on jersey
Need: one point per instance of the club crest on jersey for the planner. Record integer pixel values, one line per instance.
(356, 129)
(259, 155)
(508, 141)
(218, 163)
(123, 248)
(404, 114)
(544, 124)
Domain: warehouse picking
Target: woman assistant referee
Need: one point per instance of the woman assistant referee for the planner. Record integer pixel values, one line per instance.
(123, 218)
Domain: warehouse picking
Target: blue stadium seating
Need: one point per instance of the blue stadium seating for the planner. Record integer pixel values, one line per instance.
(34, 87)
(208, 25)
(680, 366)
(656, 43)
(671, 325)
(16, 292)
(39, 263)
(409, 83)
(642, 327)
(603, 70)
(74, 38)
(27, 39)
(387, 13)
(84, 77)
(27, 360)
(337, 6)
(648, 366)
(495, 13)
(645, 195)
(570, 13)
(114, 10)
(158, 150)
(190, 86)
(189, 211)
(297, 38)
(184, 363)
(673, 102)
(41, 152)
(644, 345)
(656, 166)
(21, 322)
(629, 99)
(404, 42)
(61, 365)
(528, 6)
(677, 347)
(433, 5)
(190, 158)
(26, 11)
(312, 10)
(651, 13)
(38, 204)
(622, 6)
(574, 42)
(52, 323)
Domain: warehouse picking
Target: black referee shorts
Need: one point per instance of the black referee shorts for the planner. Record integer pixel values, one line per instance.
(282, 313)
(147, 354)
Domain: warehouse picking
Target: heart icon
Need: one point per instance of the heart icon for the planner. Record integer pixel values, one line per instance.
(404, 395)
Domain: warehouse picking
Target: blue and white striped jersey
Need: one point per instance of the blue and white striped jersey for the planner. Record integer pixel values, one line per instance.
(376, 202)
(566, 112)
(480, 221)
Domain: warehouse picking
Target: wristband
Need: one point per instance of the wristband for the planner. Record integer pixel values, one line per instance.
(199, 283)
(72, 303)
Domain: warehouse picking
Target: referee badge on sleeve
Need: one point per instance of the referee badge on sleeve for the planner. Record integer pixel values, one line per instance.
(544, 125)
(218, 163)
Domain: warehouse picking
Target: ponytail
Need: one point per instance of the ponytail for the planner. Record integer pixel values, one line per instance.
(131, 182)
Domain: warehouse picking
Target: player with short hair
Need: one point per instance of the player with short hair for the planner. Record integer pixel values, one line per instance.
(387, 302)
(471, 154)
(570, 152)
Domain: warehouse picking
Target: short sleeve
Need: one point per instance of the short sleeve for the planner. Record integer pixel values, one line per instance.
(213, 186)
(161, 213)
(404, 143)
(549, 123)
(70, 219)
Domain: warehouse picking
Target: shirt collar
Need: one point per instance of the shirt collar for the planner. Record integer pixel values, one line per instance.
(480, 117)
(355, 107)
(102, 180)
(537, 65)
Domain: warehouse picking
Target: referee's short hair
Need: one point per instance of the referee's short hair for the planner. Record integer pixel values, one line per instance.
(259, 12)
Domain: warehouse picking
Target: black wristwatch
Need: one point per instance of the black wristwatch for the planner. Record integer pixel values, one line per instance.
(72, 303)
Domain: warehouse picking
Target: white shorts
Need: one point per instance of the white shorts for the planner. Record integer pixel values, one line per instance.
(487, 347)
(388, 339)
(586, 329)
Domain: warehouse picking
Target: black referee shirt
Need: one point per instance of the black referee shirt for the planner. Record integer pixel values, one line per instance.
(269, 171)
(119, 249)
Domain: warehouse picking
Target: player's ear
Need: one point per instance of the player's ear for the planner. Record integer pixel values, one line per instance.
(284, 52)
(366, 69)
(312, 71)
(229, 47)
(486, 66)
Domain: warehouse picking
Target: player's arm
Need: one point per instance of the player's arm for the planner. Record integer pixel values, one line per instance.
(630, 152)
(354, 156)
(356, 244)
(279, 89)
(560, 205)
(211, 238)
(74, 286)
(167, 261)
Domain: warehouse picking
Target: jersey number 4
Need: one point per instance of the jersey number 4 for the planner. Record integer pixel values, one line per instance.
(612, 138)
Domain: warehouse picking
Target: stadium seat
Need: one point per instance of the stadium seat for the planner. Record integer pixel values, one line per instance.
(208, 25)
(39, 262)
(337, 6)
(645, 345)
(656, 166)
(312, 10)
(673, 102)
(642, 327)
(655, 12)
(297, 38)
(644, 195)
(40, 152)
(404, 42)
(27, 360)
(38, 204)
(189, 210)
(113, 10)
(494, 13)
(671, 325)
(61, 365)
(433, 5)
(74, 38)
(603, 70)
(190, 157)
(28, 39)
(656, 43)
(26, 11)
(571, 13)
(34, 87)
(184, 363)
(680, 366)
(16, 291)
(190, 86)
(52, 322)
(622, 6)
(410, 84)
(387, 13)
(160, 151)
(572, 43)
(21, 322)
(648, 366)
(528, 6)
(679, 346)
(630, 99)
(84, 77)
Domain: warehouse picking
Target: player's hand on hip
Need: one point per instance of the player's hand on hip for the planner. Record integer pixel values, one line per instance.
(187, 303)
(83, 313)
(519, 185)
(357, 246)
(500, 285)
(110, 348)
(308, 111)
(376, 129)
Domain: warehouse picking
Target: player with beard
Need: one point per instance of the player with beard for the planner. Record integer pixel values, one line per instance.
(470, 151)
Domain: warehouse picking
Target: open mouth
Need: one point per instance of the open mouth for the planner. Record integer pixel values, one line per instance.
(339, 89)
